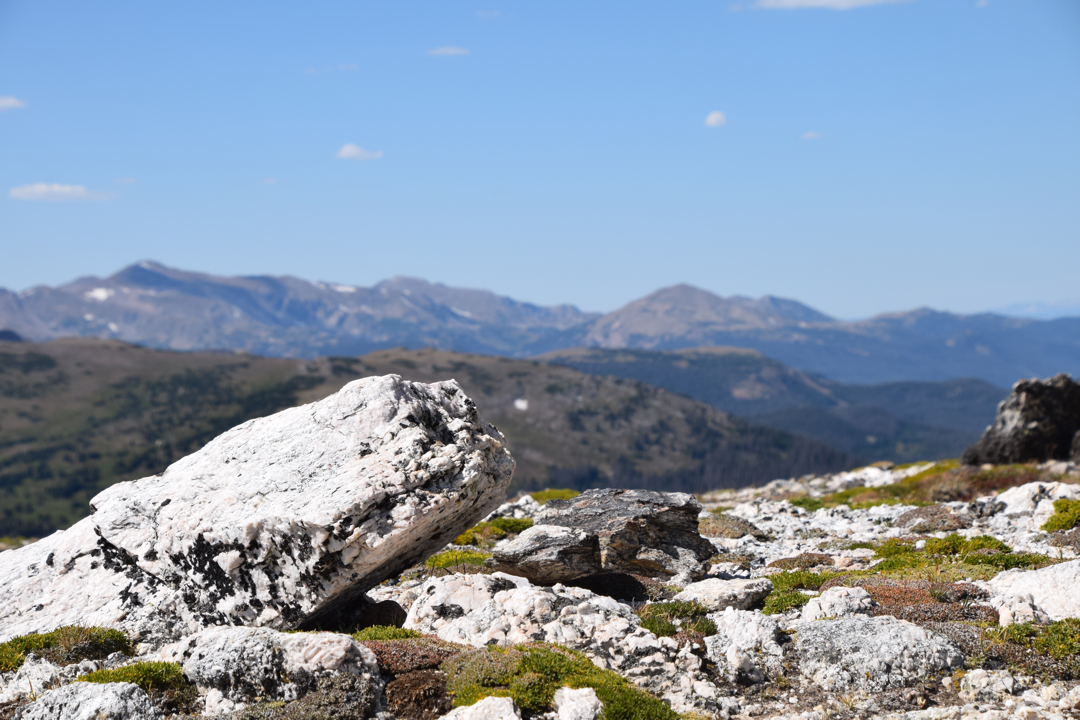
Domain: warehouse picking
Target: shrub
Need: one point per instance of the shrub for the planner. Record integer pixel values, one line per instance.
(982, 542)
(1066, 516)
(384, 632)
(147, 675)
(554, 494)
(530, 675)
(63, 646)
(948, 545)
(804, 561)
(795, 579)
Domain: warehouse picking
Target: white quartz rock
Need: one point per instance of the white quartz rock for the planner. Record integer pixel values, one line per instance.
(35, 675)
(490, 708)
(245, 664)
(1052, 589)
(837, 602)
(579, 704)
(280, 521)
(91, 701)
(745, 642)
(717, 594)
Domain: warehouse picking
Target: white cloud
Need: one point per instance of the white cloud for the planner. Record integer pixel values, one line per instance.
(982, 3)
(715, 119)
(828, 4)
(448, 51)
(349, 151)
(7, 102)
(811, 135)
(56, 191)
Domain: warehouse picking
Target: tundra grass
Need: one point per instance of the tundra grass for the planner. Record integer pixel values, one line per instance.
(64, 646)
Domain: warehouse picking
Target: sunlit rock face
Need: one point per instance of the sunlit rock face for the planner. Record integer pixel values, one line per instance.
(281, 522)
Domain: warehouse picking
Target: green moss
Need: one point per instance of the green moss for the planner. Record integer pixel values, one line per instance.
(893, 547)
(1066, 516)
(1059, 639)
(948, 545)
(147, 675)
(384, 632)
(981, 542)
(486, 533)
(512, 525)
(779, 602)
(1009, 560)
(63, 646)
(807, 503)
(530, 675)
(554, 494)
(455, 559)
(799, 579)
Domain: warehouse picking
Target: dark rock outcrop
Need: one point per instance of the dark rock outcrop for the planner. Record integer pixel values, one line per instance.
(629, 531)
(1040, 420)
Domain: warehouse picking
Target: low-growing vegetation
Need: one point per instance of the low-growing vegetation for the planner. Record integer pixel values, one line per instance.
(449, 562)
(163, 681)
(667, 619)
(543, 496)
(64, 646)
(1066, 516)
(530, 675)
(384, 632)
(487, 533)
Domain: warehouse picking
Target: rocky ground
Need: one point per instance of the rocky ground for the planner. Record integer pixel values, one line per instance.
(350, 559)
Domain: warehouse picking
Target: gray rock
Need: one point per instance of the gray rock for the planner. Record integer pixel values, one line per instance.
(548, 554)
(247, 664)
(281, 522)
(91, 701)
(637, 531)
(717, 594)
(872, 654)
(1039, 420)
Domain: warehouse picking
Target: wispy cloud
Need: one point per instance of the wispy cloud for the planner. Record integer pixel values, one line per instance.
(982, 3)
(448, 51)
(270, 181)
(7, 102)
(56, 192)
(827, 4)
(811, 135)
(349, 151)
(715, 119)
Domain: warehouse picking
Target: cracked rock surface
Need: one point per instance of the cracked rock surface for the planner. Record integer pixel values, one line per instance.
(282, 522)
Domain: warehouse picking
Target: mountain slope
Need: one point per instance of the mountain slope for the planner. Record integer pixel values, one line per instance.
(156, 306)
(77, 415)
(902, 421)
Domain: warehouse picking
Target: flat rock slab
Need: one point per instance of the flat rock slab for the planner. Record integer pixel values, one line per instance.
(628, 531)
(717, 594)
(872, 654)
(282, 522)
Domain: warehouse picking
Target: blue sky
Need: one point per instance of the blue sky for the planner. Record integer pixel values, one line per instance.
(864, 159)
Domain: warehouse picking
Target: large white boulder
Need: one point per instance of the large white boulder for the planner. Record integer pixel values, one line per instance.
(1052, 589)
(745, 644)
(490, 708)
(837, 602)
(281, 522)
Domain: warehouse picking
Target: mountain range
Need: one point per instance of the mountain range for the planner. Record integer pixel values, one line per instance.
(161, 307)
